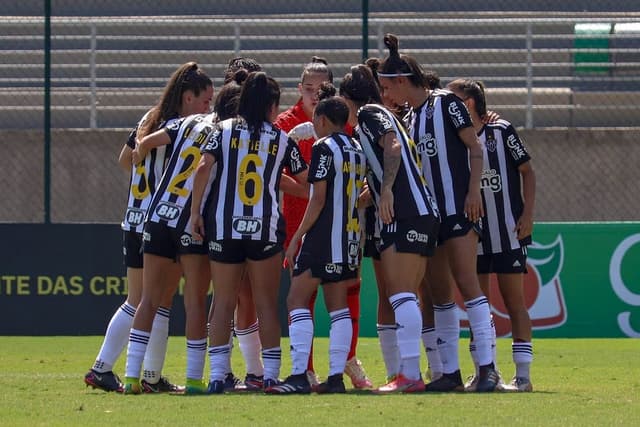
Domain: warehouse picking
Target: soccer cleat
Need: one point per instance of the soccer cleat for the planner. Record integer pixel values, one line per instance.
(162, 386)
(270, 382)
(107, 381)
(294, 384)
(132, 385)
(195, 387)
(233, 383)
(488, 379)
(471, 383)
(401, 384)
(254, 382)
(356, 373)
(334, 384)
(518, 384)
(313, 379)
(446, 383)
(216, 387)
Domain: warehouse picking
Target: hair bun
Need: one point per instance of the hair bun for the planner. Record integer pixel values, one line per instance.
(240, 76)
(319, 59)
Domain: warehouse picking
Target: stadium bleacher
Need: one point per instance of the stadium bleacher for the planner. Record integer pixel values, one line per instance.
(107, 70)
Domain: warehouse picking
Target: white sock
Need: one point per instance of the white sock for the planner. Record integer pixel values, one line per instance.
(447, 327)
(196, 354)
(157, 348)
(474, 353)
(272, 358)
(339, 340)
(430, 342)
(409, 321)
(389, 346)
(138, 341)
(115, 339)
(300, 338)
(249, 343)
(480, 324)
(522, 357)
(218, 362)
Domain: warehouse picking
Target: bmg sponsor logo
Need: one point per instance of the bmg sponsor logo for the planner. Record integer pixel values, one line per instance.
(491, 180)
(427, 145)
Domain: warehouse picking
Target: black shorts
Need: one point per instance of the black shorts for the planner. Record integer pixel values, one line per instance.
(235, 251)
(326, 272)
(511, 262)
(456, 226)
(370, 249)
(132, 249)
(417, 235)
(168, 242)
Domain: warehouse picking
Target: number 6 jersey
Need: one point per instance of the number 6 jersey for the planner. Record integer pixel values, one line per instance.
(243, 203)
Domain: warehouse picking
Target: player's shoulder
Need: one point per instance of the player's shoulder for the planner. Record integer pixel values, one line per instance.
(500, 124)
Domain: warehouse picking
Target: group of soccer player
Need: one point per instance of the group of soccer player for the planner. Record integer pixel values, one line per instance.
(393, 168)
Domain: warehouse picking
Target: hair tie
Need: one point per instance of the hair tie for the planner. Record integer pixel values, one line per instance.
(395, 74)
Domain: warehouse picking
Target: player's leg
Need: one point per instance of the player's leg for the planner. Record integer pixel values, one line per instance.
(429, 336)
(354, 368)
(247, 332)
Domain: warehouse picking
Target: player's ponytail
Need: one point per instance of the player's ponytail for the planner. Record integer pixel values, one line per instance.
(360, 87)
(259, 94)
(396, 65)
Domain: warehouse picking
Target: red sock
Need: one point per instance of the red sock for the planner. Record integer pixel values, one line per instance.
(312, 305)
(353, 302)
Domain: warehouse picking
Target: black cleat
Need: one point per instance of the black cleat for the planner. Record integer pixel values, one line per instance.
(233, 383)
(488, 379)
(162, 386)
(334, 384)
(107, 381)
(446, 383)
(294, 384)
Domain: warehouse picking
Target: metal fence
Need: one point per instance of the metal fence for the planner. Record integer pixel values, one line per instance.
(78, 75)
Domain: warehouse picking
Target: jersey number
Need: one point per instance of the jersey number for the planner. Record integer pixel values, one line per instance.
(176, 185)
(353, 225)
(141, 189)
(244, 177)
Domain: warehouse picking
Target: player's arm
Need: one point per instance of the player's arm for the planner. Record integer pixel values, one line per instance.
(125, 158)
(311, 214)
(392, 157)
(473, 202)
(524, 226)
(202, 173)
(148, 143)
(293, 187)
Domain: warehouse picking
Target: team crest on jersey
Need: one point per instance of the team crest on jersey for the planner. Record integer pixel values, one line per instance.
(323, 166)
(168, 211)
(134, 216)
(427, 145)
(247, 225)
(491, 144)
(429, 112)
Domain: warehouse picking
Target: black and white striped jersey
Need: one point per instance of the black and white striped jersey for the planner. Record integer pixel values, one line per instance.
(335, 236)
(503, 153)
(143, 181)
(171, 205)
(412, 197)
(244, 196)
(445, 158)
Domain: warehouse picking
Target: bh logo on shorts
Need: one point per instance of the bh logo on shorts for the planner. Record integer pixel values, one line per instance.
(543, 293)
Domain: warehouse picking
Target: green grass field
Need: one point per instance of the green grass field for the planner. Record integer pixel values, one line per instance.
(577, 382)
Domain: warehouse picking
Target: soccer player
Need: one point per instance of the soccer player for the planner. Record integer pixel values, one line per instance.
(297, 121)
(406, 210)
(167, 240)
(508, 194)
(244, 219)
(330, 251)
(184, 94)
(451, 158)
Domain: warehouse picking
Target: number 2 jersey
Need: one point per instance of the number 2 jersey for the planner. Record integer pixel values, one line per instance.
(171, 205)
(144, 178)
(243, 204)
(335, 236)
(503, 153)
